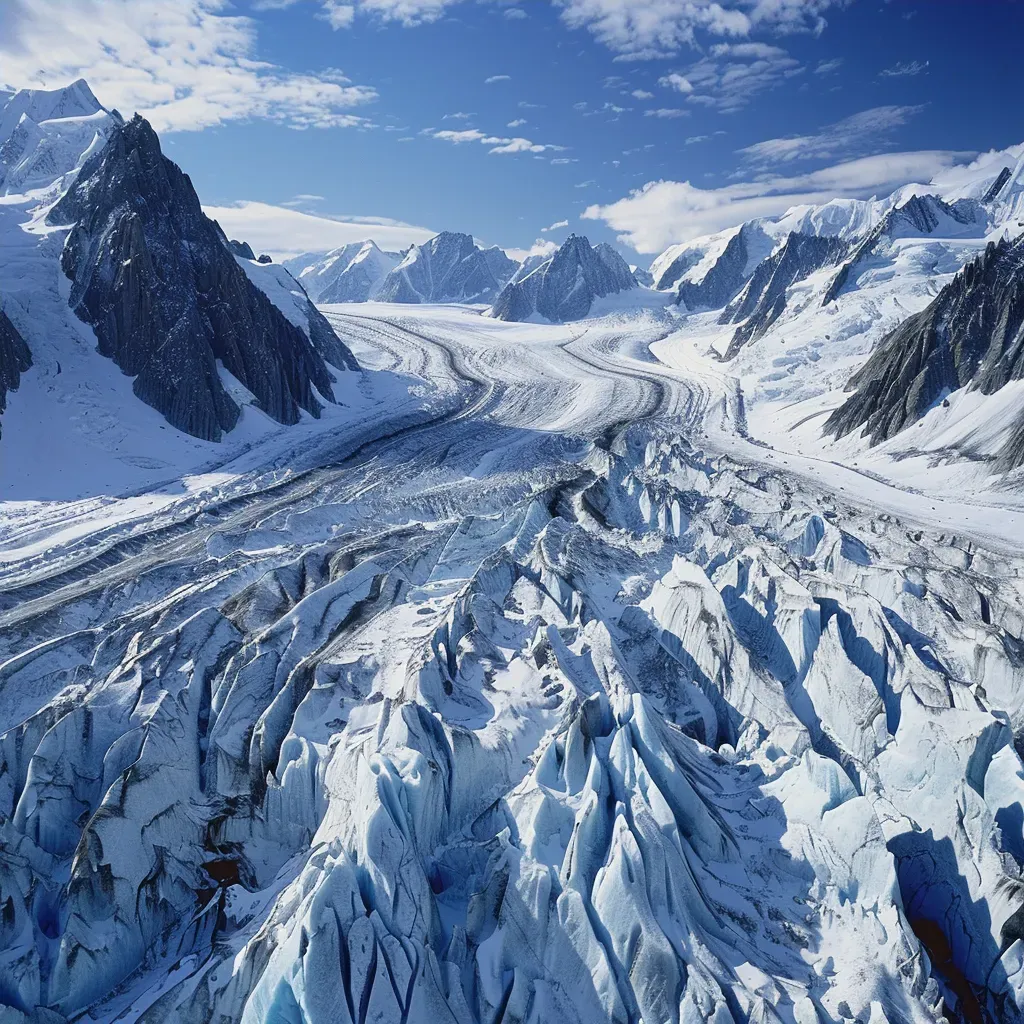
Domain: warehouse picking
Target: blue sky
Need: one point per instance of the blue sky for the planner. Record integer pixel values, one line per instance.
(393, 119)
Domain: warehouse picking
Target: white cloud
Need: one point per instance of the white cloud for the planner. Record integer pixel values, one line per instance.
(667, 112)
(499, 144)
(184, 65)
(665, 212)
(497, 78)
(459, 115)
(826, 67)
(733, 73)
(675, 81)
(634, 29)
(644, 29)
(904, 69)
(517, 123)
(845, 138)
(542, 247)
(339, 15)
(284, 232)
(642, 94)
(557, 226)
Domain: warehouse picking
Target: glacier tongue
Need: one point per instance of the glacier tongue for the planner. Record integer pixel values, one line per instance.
(519, 715)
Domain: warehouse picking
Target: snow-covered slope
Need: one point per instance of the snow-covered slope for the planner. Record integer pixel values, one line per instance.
(352, 273)
(450, 267)
(565, 286)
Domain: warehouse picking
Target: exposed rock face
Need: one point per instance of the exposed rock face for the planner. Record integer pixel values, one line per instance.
(241, 249)
(643, 277)
(564, 287)
(727, 274)
(15, 358)
(763, 300)
(970, 335)
(167, 298)
(919, 216)
(448, 268)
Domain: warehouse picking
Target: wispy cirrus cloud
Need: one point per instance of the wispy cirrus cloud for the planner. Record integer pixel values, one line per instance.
(497, 78)
(904, 69)
(665, 212)
(184, 65)
(557, 226)
(851, 136)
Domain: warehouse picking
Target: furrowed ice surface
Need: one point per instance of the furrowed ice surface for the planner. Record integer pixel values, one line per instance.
(534, 707)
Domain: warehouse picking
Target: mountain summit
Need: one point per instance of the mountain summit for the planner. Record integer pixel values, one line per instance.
(565, 286)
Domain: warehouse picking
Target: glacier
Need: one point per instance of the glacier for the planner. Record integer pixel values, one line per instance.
(545, 708)
(517, 671)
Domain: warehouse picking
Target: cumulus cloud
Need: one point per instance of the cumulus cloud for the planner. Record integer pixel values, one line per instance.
(287, 232)
(338, 15)
(677, 82)
(542, 247)
(642, 94)
(844, 138)
(517, 123)
(633, 29)
(184, 65)
(665, 212)
(645, 29)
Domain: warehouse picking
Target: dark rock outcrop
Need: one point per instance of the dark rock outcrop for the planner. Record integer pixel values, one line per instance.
(726, 276)
(167, 298)
(565, 286)
(763, 300)
(972, 334)
(997, 186)
(15, 358)
(451, 267)
(241, 249)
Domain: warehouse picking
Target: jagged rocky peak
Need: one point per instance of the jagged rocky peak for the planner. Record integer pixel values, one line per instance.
(241, 249)
(450, 267)
(971, 335)
(763, 300)
(15, 358)
(708, 272)
(565, 286)
(169, 301)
